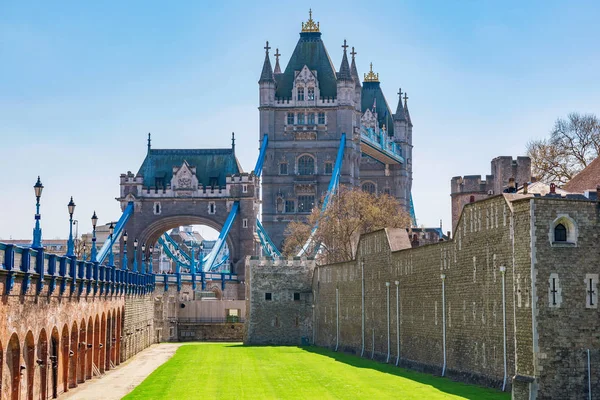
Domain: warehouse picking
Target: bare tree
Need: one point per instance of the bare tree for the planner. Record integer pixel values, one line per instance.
(574, 142)
(351, 213)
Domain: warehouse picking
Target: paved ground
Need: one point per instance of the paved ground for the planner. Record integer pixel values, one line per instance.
(120, 381)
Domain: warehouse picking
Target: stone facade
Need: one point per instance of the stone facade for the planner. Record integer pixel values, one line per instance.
(279, 301)
(504, 303)
(464, 189)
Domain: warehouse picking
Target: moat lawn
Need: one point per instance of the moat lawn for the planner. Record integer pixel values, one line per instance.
(234, 371)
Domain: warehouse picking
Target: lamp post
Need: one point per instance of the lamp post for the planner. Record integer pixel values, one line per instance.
(70, 244)
(143, 258)
(84, 248)
(124, 251)
(37, 231)
(150, 268)
(192, 266)
(111, 257)
(135, 246)
(94, 253)
(201, 256)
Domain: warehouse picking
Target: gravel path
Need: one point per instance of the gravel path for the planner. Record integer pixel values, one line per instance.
(120, 381)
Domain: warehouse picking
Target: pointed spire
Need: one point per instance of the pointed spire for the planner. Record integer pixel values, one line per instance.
(267, 71)
(277, 68)
(399, 116)
(233, 141)
(344, 74)
(406, 109)
(149, 142)
(353, 69)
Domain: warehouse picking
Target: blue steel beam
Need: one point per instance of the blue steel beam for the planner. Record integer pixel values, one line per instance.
(261, 156)
(265, 241)
(116, 234)
(210, 259)
(333, 185)
(177, 247)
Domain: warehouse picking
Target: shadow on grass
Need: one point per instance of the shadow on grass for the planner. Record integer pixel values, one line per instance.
(442, 384)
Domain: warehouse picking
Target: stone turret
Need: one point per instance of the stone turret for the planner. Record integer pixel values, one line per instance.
(345, 82)
(357, 85)
(267, 81)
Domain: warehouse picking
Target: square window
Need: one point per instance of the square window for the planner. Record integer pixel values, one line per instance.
(310, 118)
(290, 118)
(290, 206)
(329, 168)
(283, 168)
(301, 119)
(296, 296)
(322, 118)
(268, 296)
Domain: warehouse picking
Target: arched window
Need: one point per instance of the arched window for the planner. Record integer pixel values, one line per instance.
(560, 233)
(368, 187)
(306, 165)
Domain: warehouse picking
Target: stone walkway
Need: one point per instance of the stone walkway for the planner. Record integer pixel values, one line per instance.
(123, 379)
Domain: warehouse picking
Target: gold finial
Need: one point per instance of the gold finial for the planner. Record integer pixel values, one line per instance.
(371, 76)
(310, 25)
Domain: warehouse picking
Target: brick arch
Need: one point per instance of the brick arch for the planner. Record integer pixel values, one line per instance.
(1, 366)
(65, 357)
(124, 342)
(102, 345)
(154, 230)
(113, 343)
(13, 363)
(54, 360)
(81, 351)
(107, 342)
(29, 357)
(72, 356)
(119, 335)
(42, 363)
(96, 345)
(89, 348)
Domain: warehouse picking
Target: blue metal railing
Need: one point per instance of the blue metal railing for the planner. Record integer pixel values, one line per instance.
(381, 141)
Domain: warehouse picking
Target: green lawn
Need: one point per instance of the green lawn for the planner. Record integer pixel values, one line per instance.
(234, 371)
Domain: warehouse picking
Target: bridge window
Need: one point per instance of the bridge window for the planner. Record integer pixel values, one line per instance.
(369, 187)
(301, 119)
(300, 94)
(244, 188)
(283, 168)
(322, 118)
(296, 296)
(311, 93)
(306, 203)
(157, 208)
(329, 167)
(289, 206)
(306, 165)
(268, 296)
(290, 118)
(212, 208)
(310, 118)
(245, 223)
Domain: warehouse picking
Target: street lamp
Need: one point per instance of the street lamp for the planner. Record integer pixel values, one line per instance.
(143, 258)
(135, 246)
(70, 244)
(111, 257)
(94, 254)
(84, 248)
(201, 258)
(150, 269)
(124, 250)
(37, 231)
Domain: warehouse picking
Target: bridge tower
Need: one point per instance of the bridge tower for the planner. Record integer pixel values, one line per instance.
(304, 110)
(175, 187)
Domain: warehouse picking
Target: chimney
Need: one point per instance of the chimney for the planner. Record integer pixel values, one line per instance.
(552, 188)
(525, 187)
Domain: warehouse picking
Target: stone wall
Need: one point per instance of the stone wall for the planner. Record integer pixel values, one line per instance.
(138, 330)
(220, 332)
(279, 301)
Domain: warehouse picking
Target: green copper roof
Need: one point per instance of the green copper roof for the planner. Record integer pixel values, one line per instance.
(209, 163)
(371, 93)
(309, 51)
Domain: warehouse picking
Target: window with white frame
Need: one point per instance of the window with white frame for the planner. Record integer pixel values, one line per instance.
(321, 118)
(244, 188)
(300, 94)
(306, 203)
(290, 118)
(563, 231)
(245, 223)
(311, 93)
(310, 118)
(212, 207)
(301, 119)
(283, 168)
(329, 167)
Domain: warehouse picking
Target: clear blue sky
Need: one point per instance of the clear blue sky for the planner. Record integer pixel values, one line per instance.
(82, 83)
